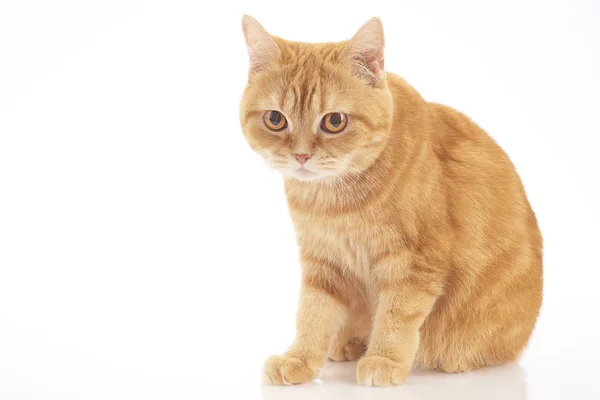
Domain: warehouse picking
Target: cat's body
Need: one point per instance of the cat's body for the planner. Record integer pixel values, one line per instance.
(436, 197)
(423, 248)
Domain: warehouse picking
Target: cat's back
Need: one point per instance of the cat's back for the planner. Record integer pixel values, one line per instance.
(472, 183)
(487, 197)
(478, 173)
(454, 137)
(468, 159)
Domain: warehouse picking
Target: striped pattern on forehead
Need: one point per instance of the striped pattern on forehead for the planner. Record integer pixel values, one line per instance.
(307, 70)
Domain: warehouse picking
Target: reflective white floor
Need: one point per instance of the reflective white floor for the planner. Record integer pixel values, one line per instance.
(337, 382)
(165, 354)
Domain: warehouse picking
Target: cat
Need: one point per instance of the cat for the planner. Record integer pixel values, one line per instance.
(417, 242)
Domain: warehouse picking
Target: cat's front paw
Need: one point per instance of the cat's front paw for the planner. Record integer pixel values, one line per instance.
(287, 370)
(381, 371)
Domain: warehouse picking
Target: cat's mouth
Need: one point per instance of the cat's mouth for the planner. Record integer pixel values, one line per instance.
(305, 174)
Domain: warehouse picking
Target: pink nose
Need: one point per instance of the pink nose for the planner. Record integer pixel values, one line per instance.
(301, 157)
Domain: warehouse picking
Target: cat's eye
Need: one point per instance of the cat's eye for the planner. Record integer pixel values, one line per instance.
(334, 122)
(274, 120)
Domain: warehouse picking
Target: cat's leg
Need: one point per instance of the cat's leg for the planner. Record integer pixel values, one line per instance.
(347, 349)
(350, 343)
(408, 288)
(321, 311)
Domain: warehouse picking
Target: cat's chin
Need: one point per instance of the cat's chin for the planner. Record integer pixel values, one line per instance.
(304, 175)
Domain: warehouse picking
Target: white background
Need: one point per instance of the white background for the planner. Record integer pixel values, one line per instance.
(147, 253)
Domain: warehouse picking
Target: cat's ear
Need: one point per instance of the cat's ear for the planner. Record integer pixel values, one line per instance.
(261, 46)
(366, 50)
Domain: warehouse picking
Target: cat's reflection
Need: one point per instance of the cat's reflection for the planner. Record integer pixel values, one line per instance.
(338, 382)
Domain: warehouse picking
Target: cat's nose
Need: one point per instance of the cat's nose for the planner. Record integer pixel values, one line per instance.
(301, 157)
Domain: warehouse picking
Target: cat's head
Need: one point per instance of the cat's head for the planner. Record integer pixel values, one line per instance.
(316, 111)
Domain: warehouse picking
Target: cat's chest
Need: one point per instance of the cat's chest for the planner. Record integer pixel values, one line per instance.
(351, 245)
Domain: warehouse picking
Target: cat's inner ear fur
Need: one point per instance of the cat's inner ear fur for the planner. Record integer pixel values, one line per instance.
(261, 46)
(365, 49)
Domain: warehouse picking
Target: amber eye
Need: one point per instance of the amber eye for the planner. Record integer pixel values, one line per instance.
(274, 120)
(334, 122)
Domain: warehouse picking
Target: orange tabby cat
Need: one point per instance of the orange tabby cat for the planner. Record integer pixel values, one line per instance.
(417, 242)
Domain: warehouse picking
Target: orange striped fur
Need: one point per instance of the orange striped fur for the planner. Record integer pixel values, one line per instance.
(417, 241)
